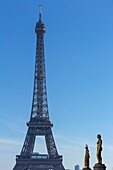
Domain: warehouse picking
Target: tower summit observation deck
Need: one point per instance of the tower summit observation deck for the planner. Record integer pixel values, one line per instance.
(39, 124)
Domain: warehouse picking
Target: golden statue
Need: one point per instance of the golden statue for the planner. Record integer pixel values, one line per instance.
(99, 149)
(87, 156)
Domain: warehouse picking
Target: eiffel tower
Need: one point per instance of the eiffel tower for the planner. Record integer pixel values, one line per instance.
(39, 124)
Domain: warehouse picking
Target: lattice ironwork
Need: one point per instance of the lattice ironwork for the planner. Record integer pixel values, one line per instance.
(39, 105)
(39, 124)
(44, 166)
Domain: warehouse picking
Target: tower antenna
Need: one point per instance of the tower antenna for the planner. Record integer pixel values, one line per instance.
(40, 10)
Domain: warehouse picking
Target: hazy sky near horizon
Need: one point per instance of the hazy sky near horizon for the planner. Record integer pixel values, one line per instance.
(79, 69)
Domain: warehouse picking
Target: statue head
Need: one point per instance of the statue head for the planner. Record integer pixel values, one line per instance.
(86, 147)
(99, 136)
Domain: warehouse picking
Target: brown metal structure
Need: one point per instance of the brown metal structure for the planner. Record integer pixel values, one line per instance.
(39, 124)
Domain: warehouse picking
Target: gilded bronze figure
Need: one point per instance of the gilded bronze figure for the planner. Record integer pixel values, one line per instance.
(87, 156)
(99, 149)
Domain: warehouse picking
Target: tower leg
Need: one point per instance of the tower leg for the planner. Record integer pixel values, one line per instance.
(29, 142)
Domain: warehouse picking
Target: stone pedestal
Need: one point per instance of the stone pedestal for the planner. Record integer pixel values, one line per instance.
(99, 166)
(86, 168)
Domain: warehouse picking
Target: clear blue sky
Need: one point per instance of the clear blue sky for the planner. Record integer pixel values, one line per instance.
(79, 68)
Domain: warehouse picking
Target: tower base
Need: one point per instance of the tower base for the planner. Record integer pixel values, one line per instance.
(39, 164)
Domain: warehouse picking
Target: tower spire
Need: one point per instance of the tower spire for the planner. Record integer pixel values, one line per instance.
(40, 10)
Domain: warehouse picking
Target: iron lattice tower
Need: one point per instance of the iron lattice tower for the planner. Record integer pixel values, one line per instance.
(39, 124)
